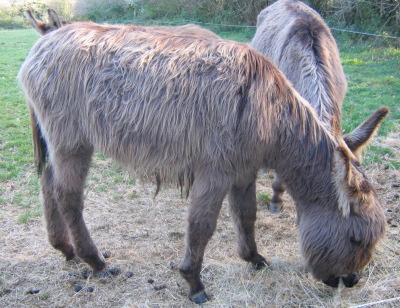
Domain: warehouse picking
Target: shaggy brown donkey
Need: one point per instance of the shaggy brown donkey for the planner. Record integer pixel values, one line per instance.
(208, 112)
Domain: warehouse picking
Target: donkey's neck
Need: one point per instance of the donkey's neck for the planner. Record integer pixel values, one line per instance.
(303, 156)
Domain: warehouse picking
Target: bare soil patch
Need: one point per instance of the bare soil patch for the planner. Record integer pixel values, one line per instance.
(145, 240)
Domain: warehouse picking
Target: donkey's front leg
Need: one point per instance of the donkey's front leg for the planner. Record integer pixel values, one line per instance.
(206, 199)
(243, 207)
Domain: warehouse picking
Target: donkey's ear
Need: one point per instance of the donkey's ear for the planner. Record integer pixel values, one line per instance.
(354, 190)
(36, 24)
(359, 138)
(54, 19)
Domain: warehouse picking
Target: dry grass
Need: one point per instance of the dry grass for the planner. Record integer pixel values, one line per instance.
(145, 237)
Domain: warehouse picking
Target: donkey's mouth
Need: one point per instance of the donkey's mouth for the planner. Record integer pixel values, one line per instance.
(349, 280)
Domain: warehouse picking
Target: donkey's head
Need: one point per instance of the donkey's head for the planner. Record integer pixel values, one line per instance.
(338, 241)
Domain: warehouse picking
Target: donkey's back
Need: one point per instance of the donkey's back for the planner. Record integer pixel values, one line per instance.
(140, 95)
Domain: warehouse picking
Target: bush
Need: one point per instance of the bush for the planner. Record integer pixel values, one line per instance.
(103, 10)
(10, 21)
(369, 15)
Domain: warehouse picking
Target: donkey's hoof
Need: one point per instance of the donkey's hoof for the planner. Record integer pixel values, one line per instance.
(75, 260)
(67, 250)
(262, 263)
(200, 298)
(275, 208)
(109, 272)
(70, 256)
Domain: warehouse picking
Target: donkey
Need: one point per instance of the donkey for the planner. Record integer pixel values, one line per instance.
(55, 23)
(298, 41)
(210, 113)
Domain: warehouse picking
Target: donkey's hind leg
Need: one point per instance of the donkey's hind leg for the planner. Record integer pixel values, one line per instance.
(57, 230)
(243, 208)
(70, 171)
(278, 188)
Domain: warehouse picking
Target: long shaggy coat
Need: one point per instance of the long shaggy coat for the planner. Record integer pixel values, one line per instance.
(207, 112)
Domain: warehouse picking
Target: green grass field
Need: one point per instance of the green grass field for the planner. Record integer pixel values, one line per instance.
(16, 147)
(373, 75)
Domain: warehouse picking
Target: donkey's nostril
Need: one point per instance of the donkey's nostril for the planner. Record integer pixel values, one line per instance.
(332, 281)
(349, 280)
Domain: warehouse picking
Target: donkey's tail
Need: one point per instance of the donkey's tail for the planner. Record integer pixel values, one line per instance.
(39, 144)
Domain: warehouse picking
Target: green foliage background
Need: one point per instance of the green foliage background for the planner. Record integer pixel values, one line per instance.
(382, 16)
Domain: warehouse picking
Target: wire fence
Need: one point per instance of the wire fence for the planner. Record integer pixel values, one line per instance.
(366, 33)
(336, 29)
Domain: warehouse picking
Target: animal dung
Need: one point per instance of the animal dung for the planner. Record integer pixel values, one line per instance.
(158, 288)
(33, 291)
(129, 274)
(107, 254)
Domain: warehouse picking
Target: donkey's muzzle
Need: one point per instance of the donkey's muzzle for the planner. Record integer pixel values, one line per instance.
(349, 280)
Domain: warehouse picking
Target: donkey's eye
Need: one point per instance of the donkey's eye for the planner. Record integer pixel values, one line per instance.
(355, 242)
